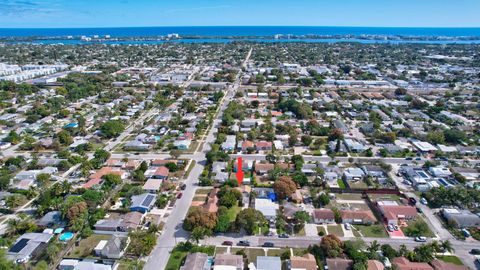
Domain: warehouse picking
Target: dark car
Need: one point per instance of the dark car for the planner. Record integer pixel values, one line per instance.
(179, 195)
(408, 158)
(418, 158)
(419, 210)
(412, 200)
(283, 235)
(183, 186)
(227, 243)
(268, 244)
(475, 251)
(243, 243)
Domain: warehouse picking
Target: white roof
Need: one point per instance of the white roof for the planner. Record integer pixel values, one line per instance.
(266, 206)
(424, 146)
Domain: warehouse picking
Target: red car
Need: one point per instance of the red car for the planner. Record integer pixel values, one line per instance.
(179, 195)
(227, 243)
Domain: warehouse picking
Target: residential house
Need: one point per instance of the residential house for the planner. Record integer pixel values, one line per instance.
(402, 263)
(263, 146)
(161, 173)
(289, 209)
(306, 262)
(353, 174)
(182, 144)
(441, 265)
(394, 213)
(196, 261)
(267, 207)
(461, 218)
(152, 185)
(263, 168)
(339, 264)
(162, 162)
(143, 202)
(354, 146)
(115, 247)
(374, 265)
(229, 144)
(440, 171)
(28, 246)
(51, 219)
(222, 260)
(268, 263)
(323, 216)
(365, 217)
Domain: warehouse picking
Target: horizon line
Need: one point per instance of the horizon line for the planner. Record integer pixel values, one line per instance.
(296, 26)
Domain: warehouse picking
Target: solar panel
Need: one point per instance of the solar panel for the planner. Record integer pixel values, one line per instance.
(19, 245)
(148, 200)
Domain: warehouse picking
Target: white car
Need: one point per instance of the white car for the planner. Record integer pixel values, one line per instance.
(347, 226)
(390, 228)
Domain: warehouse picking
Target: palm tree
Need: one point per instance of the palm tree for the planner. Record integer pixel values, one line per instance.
(447, 246)
(435, 245)
(374, 247)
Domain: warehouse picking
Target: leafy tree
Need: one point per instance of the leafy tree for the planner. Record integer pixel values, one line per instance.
(284, 187)
(112, 128)
(321, 201)
(249, 219)
(199, 233)
(64, 137)
(331, 246)
(300, 178)
(198, 217)
(43, 178)
(388, 251)
(141, 242)
(112, 179)
(12, 137)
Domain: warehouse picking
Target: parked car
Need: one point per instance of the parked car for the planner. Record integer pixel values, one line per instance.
(283, 235)
(423, 201)
(419, 210)
(396, 228)
(243, 243)
(268, 244)
(227, 243)
(390, 228)
(475, 251)
(183, 186)
(418, 158)
(420, 239)
(466, 233)
(408, 158)
(179, 195)
(347, 226)
(412, 200)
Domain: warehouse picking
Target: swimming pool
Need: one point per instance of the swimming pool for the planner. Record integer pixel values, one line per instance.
(66, 236)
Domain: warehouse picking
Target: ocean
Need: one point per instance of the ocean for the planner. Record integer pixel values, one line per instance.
(232, 31)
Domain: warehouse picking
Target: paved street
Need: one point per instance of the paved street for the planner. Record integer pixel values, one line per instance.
(173, 231)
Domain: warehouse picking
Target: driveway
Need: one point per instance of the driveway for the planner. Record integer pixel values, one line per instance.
(311, 229)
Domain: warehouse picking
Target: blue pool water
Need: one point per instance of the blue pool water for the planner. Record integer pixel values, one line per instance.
(66, 236)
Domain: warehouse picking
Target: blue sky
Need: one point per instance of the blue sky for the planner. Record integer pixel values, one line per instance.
(122, 13)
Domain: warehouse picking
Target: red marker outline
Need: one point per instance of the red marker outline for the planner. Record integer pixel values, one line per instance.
(239, 173)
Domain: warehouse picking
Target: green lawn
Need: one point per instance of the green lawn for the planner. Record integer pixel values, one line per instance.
(321, 229)
(176, 259)
(190, 168)
(233, 212)
(252, 253)
(451, 259)
(418, 228)
(86, 246)
(335, 229)
(341, 184)
(203, 191)
(178, 255)
(371, 230)
(130, 265)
